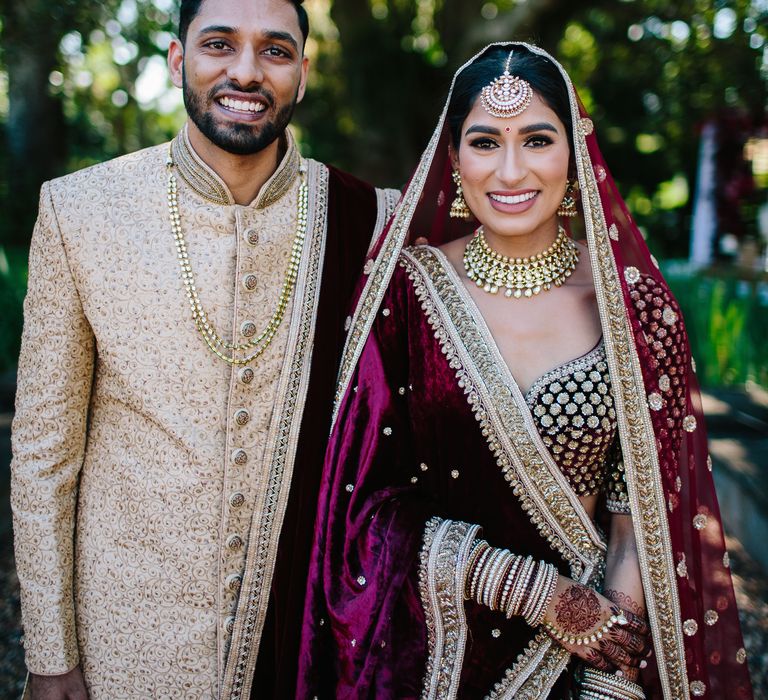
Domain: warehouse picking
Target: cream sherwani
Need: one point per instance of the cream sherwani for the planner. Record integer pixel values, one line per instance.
(146, 469)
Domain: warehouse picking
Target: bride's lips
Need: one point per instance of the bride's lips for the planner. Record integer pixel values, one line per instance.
(513, 202)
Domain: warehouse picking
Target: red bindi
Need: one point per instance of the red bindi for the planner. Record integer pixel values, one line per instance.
(508, 129)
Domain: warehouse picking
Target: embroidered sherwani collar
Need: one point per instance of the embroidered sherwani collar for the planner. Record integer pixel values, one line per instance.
(206, 182)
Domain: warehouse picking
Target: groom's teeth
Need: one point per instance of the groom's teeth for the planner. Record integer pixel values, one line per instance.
(513, 199)
(242, 105)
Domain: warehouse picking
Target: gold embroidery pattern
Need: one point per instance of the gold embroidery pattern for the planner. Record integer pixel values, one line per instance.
(500, 419)
(289, 405)
(196, 173)
(643, 477)
(442, 571)
(534, 673)
(211, 187)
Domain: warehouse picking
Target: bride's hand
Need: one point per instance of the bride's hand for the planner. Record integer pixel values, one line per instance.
(594, 628)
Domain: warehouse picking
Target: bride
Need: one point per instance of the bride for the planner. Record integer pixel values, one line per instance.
(517, 499)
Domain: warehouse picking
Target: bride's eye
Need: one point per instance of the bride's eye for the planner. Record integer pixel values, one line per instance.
(483, 143)
(538, 141)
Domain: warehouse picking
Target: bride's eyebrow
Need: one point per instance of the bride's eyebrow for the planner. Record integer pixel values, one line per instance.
(541, 126)
(493, 131)
(480, 129)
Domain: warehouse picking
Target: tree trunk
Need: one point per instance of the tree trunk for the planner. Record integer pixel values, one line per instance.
(35, 132)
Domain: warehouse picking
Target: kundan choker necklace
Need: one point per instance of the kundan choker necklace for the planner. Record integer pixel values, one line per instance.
(520, 277)
(259, 343)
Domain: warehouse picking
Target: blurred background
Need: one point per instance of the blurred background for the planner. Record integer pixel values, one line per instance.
(678, 95)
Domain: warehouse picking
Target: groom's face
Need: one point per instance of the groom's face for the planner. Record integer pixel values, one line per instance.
(242, 69)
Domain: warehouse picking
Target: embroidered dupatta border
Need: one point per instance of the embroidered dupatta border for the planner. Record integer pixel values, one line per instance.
(503, 425)
(442, 572)
(280, 453)
(641, 464)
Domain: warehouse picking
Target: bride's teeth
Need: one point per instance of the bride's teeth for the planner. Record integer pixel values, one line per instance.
(513, 199)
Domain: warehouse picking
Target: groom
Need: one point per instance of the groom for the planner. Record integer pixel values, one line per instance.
(184, 319)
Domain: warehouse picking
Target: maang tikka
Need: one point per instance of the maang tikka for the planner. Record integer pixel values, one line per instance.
(507, 96)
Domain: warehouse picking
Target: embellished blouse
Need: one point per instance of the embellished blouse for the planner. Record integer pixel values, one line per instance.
(572, 407)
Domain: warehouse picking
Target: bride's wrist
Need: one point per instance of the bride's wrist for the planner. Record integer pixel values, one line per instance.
(508, 583)
(600, 685)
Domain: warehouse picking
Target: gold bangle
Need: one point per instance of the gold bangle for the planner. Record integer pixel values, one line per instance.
(597, 682)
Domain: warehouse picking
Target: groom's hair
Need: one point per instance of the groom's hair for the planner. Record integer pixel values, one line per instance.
(190, 8)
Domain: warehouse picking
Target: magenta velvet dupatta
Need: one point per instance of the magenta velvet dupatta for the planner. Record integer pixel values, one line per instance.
(433, 441)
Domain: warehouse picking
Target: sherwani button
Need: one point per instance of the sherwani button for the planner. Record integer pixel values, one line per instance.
(229, 624)
(234, 542)
(250, 282)
(251, 236)
(233, 582)
(246, 375)
(242, 417)
(236, 500)
(248, 329)
(240, 457)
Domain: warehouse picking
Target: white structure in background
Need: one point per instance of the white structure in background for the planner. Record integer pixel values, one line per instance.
(704, 222)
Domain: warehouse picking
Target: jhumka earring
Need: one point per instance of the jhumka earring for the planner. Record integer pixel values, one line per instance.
(568, 205)
(459, 208)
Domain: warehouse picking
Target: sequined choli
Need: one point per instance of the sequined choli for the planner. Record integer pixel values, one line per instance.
(572, 407)
(573, 410)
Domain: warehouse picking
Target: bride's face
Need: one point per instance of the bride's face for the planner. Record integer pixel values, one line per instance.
(514, 171)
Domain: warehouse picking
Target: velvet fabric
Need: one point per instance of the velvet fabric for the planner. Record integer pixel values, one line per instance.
(351, 217)
(402, 457)
(400, 406)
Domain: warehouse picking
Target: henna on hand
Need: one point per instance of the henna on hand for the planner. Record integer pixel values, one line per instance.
(577, 610)
(633, 642)
(597, 660)
(625, 601)
(617, 654)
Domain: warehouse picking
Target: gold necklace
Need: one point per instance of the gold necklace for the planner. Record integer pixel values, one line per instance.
(520, 277)
(212, 339)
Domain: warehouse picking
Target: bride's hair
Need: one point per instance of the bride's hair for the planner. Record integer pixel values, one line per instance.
(542, 75)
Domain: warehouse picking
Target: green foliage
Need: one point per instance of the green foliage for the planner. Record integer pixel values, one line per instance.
(727, 322)
(13, 286)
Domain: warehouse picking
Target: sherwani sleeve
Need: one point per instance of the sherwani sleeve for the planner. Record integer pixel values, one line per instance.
(49, 436)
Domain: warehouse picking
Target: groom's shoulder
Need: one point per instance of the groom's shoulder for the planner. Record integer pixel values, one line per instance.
(121, 173)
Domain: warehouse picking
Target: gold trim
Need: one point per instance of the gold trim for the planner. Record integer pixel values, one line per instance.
(281, 451)
(207, 183)
(442, 572)
(535, 672)
(643, 475)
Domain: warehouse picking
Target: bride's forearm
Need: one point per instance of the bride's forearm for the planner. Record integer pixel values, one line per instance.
(623, 584)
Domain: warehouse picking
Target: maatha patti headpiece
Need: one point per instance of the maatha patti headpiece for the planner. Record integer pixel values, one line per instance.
(507, 96)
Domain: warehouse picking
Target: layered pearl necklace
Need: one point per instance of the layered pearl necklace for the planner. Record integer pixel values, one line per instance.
(520, 277)
(257, 345)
